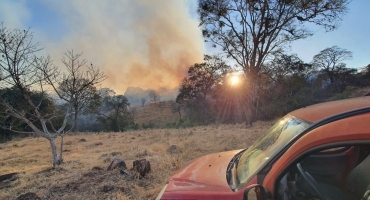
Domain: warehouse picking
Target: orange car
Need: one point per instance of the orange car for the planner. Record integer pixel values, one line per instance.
(320, 151)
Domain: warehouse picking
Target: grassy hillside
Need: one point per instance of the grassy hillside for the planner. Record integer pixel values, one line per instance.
(75, 179)
(159, 114)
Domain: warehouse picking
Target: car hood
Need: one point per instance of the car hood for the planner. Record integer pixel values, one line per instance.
(206, 173)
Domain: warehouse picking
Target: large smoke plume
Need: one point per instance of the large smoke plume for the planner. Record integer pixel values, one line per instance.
(143, 43)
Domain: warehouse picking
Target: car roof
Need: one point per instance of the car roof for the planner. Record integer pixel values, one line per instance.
(321, 111)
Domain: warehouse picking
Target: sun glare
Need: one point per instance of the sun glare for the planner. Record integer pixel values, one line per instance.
(234, 80)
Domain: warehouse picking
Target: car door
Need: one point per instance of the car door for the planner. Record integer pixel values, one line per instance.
(334, 134)
(331, 165)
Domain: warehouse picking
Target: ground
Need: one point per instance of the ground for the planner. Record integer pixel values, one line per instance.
(76, 179)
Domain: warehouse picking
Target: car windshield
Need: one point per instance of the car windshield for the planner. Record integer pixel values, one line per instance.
(268, 146)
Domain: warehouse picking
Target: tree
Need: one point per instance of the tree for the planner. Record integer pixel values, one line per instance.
(113, 110)
(14, 97)
(249, 31)
(133, 110)
(330, 62)
(153, 95)
(288, 65)
(202, 78)
(143, 100)
(365, 75)
(286, 86)
(79, 83)
(23, 69)
(176, 108)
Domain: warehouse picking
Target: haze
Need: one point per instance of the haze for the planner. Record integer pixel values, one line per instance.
(143, 43)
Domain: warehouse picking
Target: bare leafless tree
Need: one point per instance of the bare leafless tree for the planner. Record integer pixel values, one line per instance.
(154, 96)
(78, 83)
(23, 68)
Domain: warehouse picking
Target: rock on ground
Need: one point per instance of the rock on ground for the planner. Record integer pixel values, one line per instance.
(142, 167)
(28, 196)
(173, 149)
(117, 163)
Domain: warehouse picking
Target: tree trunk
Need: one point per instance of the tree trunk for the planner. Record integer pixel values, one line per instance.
(248, 113)
(56, 159)
(61, 148)
(75, 122)
(251, 98)
(115, 125)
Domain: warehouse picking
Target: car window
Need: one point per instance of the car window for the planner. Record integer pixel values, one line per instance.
(268, 146)
(326, 168)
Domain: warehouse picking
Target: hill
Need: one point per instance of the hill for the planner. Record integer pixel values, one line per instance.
(158, 114)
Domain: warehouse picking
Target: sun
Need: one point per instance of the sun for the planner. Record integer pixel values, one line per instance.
(234, 80)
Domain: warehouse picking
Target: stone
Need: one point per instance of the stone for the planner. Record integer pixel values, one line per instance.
(107, 188)
(173, 149)
(142, 167)
(7, 179)
(124, 173)
(97, 168)
(28, 196)
(98, 144)
(82, 140)
(8, 176)
(117, 163)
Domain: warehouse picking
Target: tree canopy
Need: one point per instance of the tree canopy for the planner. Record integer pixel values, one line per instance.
(250, 32)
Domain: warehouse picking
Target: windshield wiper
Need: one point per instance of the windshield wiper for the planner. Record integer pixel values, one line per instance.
(233, 163)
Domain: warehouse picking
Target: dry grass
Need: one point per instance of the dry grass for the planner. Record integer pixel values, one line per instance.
(160, 114)
(75, 179)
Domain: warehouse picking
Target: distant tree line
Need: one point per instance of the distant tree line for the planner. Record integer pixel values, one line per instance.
(285, 84)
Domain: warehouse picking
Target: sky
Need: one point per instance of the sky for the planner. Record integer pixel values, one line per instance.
(151, 44)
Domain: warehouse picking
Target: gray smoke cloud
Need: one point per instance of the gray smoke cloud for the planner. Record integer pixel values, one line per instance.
(142, 43)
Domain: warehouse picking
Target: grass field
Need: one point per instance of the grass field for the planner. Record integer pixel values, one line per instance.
(159, 114)
(75, 179)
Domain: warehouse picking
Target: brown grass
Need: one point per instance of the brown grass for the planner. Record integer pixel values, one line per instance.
(75, 179)
(160, 114)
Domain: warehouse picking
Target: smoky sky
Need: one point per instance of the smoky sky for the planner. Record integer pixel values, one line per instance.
(141, 43)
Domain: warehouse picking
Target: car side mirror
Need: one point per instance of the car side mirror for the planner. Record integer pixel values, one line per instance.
(254, 192)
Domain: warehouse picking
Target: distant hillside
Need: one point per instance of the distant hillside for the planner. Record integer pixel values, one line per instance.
(135, 94)
(158, 114)
(360, 92)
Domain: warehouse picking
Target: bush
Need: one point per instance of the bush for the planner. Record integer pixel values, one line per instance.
(134, 126)
(181, 124)
(345, 94)
(150, 125)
